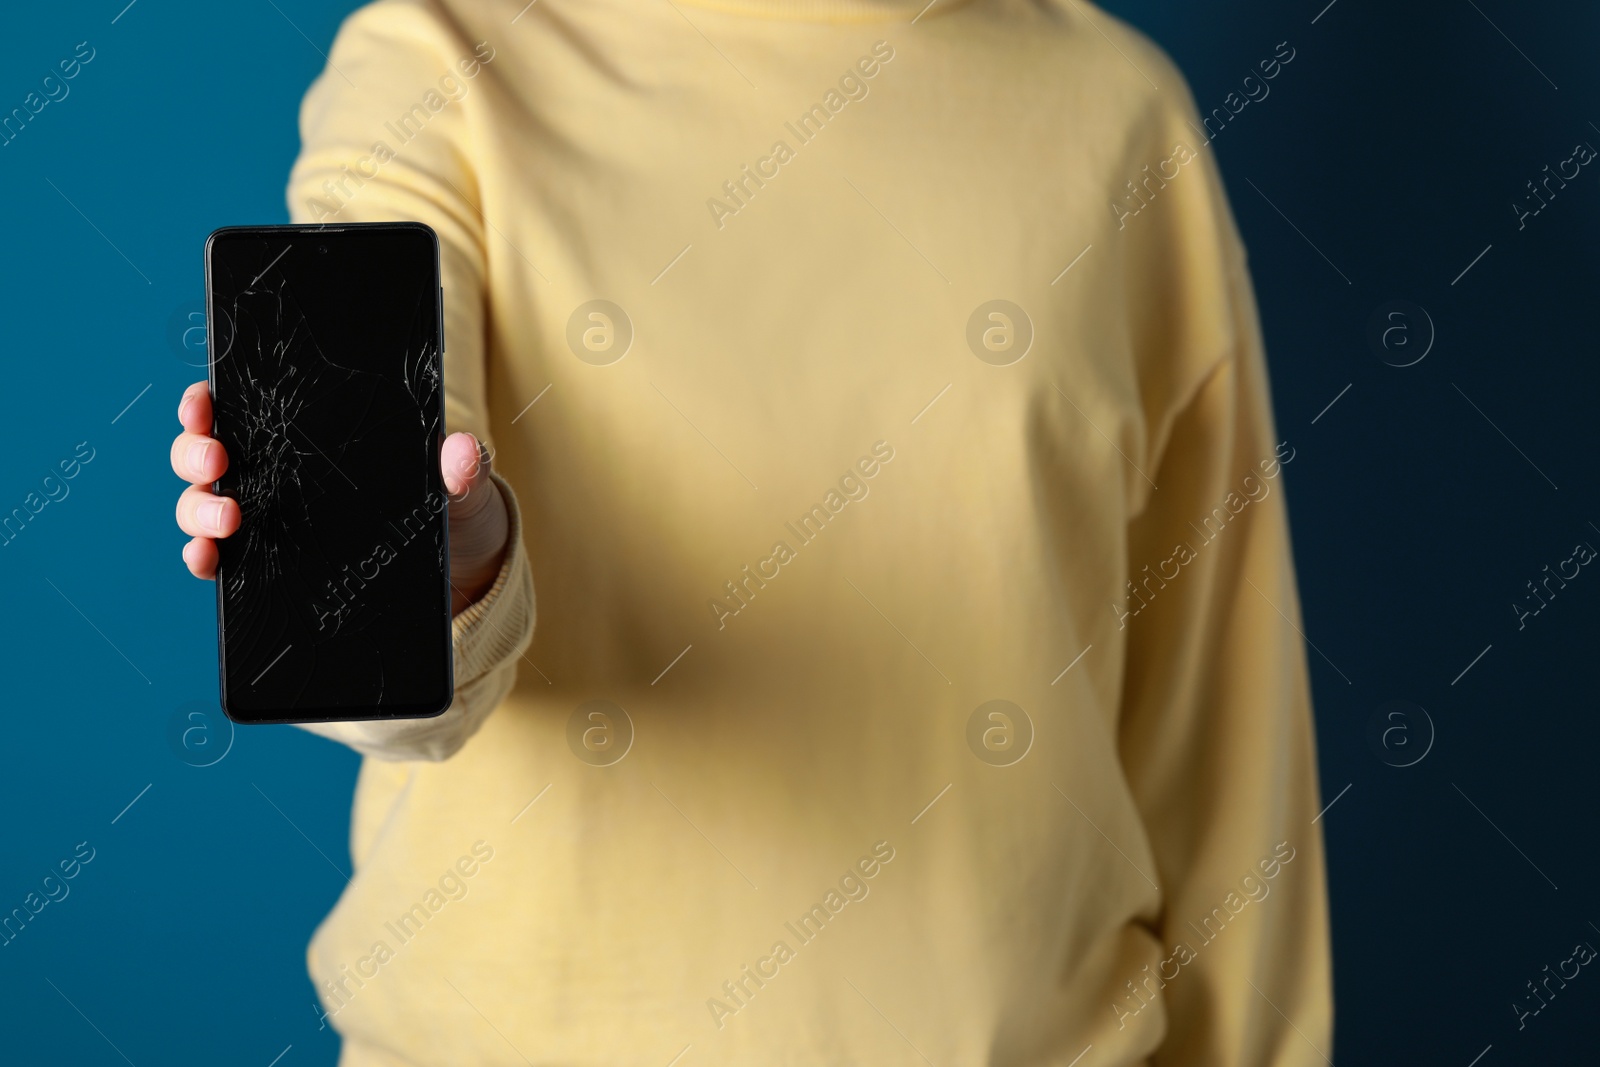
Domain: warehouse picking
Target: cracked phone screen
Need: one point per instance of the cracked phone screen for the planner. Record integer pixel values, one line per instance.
(333, 597)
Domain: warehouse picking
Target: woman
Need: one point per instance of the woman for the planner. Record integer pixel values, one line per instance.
(877, 403)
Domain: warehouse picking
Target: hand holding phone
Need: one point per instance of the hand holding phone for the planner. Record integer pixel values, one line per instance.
(478, 518)
(353, 530)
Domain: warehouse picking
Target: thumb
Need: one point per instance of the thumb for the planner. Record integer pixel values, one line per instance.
(465, 463)
(478, 519)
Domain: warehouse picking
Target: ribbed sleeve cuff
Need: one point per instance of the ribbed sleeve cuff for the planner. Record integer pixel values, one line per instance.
(498, 625)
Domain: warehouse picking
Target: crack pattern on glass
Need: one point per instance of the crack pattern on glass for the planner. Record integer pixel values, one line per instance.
(329, 400)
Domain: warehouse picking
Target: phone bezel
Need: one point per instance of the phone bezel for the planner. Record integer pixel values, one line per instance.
(343, 714)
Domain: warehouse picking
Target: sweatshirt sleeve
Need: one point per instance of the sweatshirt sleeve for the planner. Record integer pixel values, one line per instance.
(1216, 732)
(387, 134)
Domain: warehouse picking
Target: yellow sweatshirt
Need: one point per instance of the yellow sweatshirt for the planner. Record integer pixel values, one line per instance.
(881, 398)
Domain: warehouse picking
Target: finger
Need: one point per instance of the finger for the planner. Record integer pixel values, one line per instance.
(201, 556)
(202, 513)
(198, 459)
(194, 410)
(465, 465)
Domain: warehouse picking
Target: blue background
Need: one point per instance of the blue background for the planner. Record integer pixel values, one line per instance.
(1396, 141)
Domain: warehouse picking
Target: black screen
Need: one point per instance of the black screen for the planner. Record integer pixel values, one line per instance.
(333, 598)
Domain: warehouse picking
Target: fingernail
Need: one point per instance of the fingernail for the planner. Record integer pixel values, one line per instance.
(211, 515)
(197, 455)
(183, 408)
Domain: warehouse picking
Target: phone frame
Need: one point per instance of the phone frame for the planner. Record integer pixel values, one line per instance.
(267, 231)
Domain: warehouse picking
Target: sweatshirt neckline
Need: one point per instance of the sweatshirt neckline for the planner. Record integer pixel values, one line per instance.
(881, 11)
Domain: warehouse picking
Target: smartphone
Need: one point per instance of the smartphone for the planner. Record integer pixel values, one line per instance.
(326, 370)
